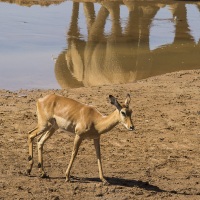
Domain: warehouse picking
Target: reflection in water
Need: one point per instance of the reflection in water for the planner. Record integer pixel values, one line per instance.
(33, 2)
(194, 23)
(126, 54)
(163, 24)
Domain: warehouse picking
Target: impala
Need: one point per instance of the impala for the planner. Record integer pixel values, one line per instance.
(54, 112)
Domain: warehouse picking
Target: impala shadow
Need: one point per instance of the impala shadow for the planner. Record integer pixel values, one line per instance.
(118, 182)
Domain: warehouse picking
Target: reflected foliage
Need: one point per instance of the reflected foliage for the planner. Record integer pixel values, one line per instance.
(35, 2)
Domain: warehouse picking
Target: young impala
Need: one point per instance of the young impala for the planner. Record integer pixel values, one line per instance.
(85, 121)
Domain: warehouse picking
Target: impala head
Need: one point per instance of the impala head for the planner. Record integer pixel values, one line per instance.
(124, 112)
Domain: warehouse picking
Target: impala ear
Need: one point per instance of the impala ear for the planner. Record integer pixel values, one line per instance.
(114, 101)
(127, 101)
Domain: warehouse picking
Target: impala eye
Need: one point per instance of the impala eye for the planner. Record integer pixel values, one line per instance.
(123, 113)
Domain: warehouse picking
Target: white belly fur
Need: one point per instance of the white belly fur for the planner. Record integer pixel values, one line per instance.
(64, 124)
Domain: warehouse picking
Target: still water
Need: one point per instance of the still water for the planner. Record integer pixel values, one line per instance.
(71, 44)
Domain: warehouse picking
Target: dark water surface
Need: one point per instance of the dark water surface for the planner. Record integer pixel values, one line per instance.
(75, 44)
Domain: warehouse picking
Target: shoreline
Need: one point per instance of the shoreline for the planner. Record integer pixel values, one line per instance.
(182, 72)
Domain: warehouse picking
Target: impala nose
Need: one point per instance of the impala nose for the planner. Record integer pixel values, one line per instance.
(132, 128)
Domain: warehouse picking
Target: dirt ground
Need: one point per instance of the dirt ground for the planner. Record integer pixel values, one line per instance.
(159, 160)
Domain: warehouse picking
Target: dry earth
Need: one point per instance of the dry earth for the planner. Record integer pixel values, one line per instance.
(160, 160)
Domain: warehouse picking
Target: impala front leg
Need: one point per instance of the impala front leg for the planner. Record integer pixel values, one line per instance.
(77, 142)
(98, 153)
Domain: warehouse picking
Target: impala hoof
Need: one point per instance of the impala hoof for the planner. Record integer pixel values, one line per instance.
(44, 175)
(27, 172)
(105, 182)
(67, 180)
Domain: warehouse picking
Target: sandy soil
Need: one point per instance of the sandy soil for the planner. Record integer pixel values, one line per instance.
(160, 160)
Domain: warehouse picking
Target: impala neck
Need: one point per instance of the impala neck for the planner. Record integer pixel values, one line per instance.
(108, 122)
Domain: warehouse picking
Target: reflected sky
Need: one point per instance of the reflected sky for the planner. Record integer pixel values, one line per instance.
(165, 24)
(162, 24)
(193, 18)
(32, 38)
(29, 38)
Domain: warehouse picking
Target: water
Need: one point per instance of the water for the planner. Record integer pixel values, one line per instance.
(75, 44)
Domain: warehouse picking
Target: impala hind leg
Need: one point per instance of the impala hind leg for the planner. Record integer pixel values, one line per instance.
(40, 144)
(31, 135)
(77, 142)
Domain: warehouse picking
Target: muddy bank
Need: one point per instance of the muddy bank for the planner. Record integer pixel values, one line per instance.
(159, 160)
